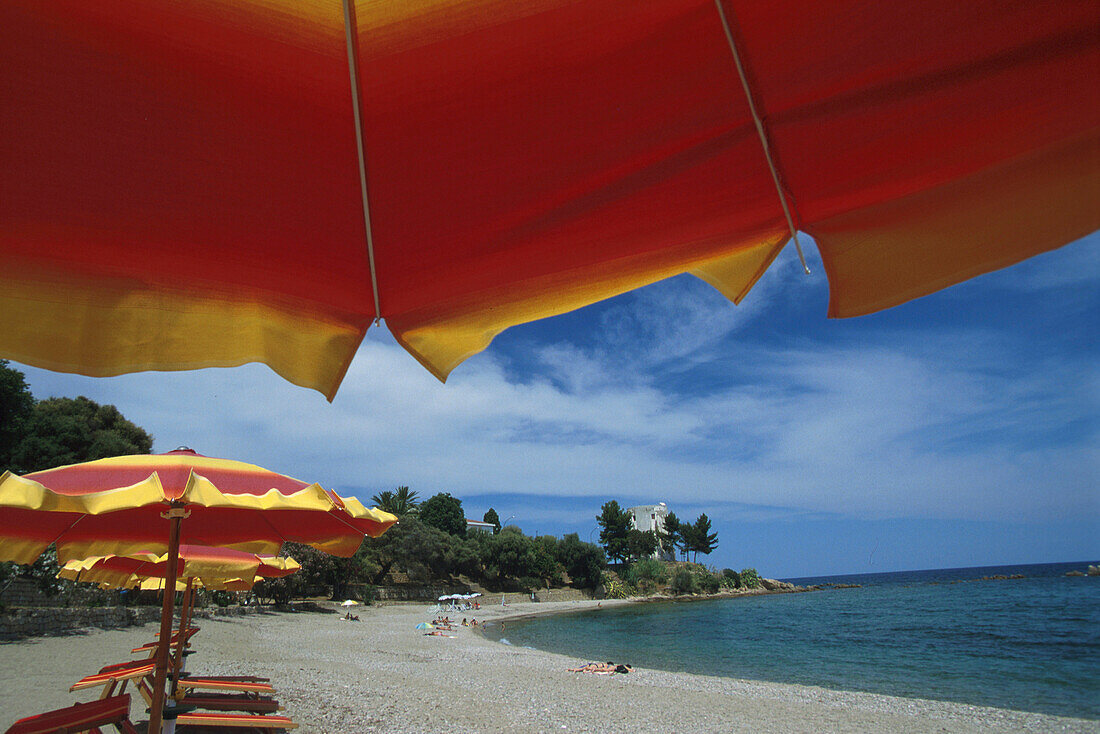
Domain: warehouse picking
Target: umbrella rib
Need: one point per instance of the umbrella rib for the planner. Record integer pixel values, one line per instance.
(760, 131)
(67, 529)
(353, 69)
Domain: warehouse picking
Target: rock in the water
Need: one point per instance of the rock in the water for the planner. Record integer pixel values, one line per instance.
(1075, 573)
(1094, 570)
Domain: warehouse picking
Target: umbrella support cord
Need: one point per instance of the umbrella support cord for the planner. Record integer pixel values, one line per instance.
(353, 70)
(763, 136)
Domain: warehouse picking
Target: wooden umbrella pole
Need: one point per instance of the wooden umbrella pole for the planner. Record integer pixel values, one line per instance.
(185, 619)
(174, 515)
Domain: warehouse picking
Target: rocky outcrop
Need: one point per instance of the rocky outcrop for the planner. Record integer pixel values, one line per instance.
(773, 585)
(1094, 570)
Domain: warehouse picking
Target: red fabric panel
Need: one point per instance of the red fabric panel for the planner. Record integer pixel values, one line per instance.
(76, 718)
(561, 138)
(196, 146)
(914, 95)
(230, 477)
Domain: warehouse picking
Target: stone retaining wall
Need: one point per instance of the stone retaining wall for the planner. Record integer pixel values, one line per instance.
(49, 621)
(430, 594)
(38, 621)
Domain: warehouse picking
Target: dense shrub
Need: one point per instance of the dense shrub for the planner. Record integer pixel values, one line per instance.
(683, 582)
(750, 579)
(614, 587)
(706, 581)
(646, 574)
(730, 578)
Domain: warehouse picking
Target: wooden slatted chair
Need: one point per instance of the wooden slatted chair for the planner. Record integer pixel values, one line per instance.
(82, 717)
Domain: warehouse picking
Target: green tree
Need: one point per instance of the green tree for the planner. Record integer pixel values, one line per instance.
(401, 502)
(16, 405)
(420, 550)
(493, 517)
(614, 525)
(641, 543)
(71, 430)
(683, 582)
(320, 575)
(444, 512)
(669, 537)
(584, 562)
(702, 540)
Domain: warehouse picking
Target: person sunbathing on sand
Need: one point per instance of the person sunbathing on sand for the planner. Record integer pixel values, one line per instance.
(607, 668)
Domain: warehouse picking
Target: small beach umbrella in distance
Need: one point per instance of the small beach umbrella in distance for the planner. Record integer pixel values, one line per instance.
(349, 603)
(152, 503)
(473, 170)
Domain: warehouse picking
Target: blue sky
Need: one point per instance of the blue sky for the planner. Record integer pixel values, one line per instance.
(959, 429)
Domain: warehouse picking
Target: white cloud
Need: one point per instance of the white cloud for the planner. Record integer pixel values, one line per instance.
(870, 431)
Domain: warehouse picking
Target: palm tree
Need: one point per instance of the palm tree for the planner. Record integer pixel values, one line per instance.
(401, 502)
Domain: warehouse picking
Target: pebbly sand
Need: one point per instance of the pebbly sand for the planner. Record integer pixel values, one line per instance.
(381, 675)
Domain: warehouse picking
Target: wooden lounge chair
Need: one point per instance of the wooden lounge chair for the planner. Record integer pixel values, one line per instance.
(82, 717)
(115, 677)
(247, 701)
(231, 695)
(233, 721)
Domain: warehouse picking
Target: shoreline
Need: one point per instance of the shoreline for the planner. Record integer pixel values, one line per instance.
(381, 675)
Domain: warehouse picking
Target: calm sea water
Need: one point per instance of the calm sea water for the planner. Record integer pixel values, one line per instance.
(1030, 644)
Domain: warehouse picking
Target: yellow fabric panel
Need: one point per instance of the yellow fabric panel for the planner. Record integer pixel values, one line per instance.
(27, 494)
(885, 255)
(122, 329)
(200, 491)
(68, 550)
(735, 275)
(283, 564)
(359, 511)
(21, 550)
(442, 344)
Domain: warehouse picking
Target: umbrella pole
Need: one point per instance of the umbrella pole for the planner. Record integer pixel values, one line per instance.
(185, 614)
(174, 516)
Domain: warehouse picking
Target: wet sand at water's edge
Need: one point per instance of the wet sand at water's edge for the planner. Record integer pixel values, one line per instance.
(381, 675)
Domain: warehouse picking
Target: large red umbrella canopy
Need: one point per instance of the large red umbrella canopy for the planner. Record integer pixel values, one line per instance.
(181, 181)
(116, 506)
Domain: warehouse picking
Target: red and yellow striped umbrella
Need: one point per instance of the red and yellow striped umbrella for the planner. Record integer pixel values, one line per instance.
(182, 184)
(214, 568)
(134, 504)
(115, 506)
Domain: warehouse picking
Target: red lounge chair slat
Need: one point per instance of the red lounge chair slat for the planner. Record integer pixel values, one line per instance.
(244, 721)
(116, 673)
(218, 684)
(113, 711)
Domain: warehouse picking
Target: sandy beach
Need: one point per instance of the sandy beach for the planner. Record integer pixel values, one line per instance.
(381, 675)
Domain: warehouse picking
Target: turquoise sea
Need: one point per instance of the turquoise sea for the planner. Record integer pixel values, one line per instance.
(1031, 644)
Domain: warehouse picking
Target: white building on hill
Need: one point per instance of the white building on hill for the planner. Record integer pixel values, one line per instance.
(650, 517)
